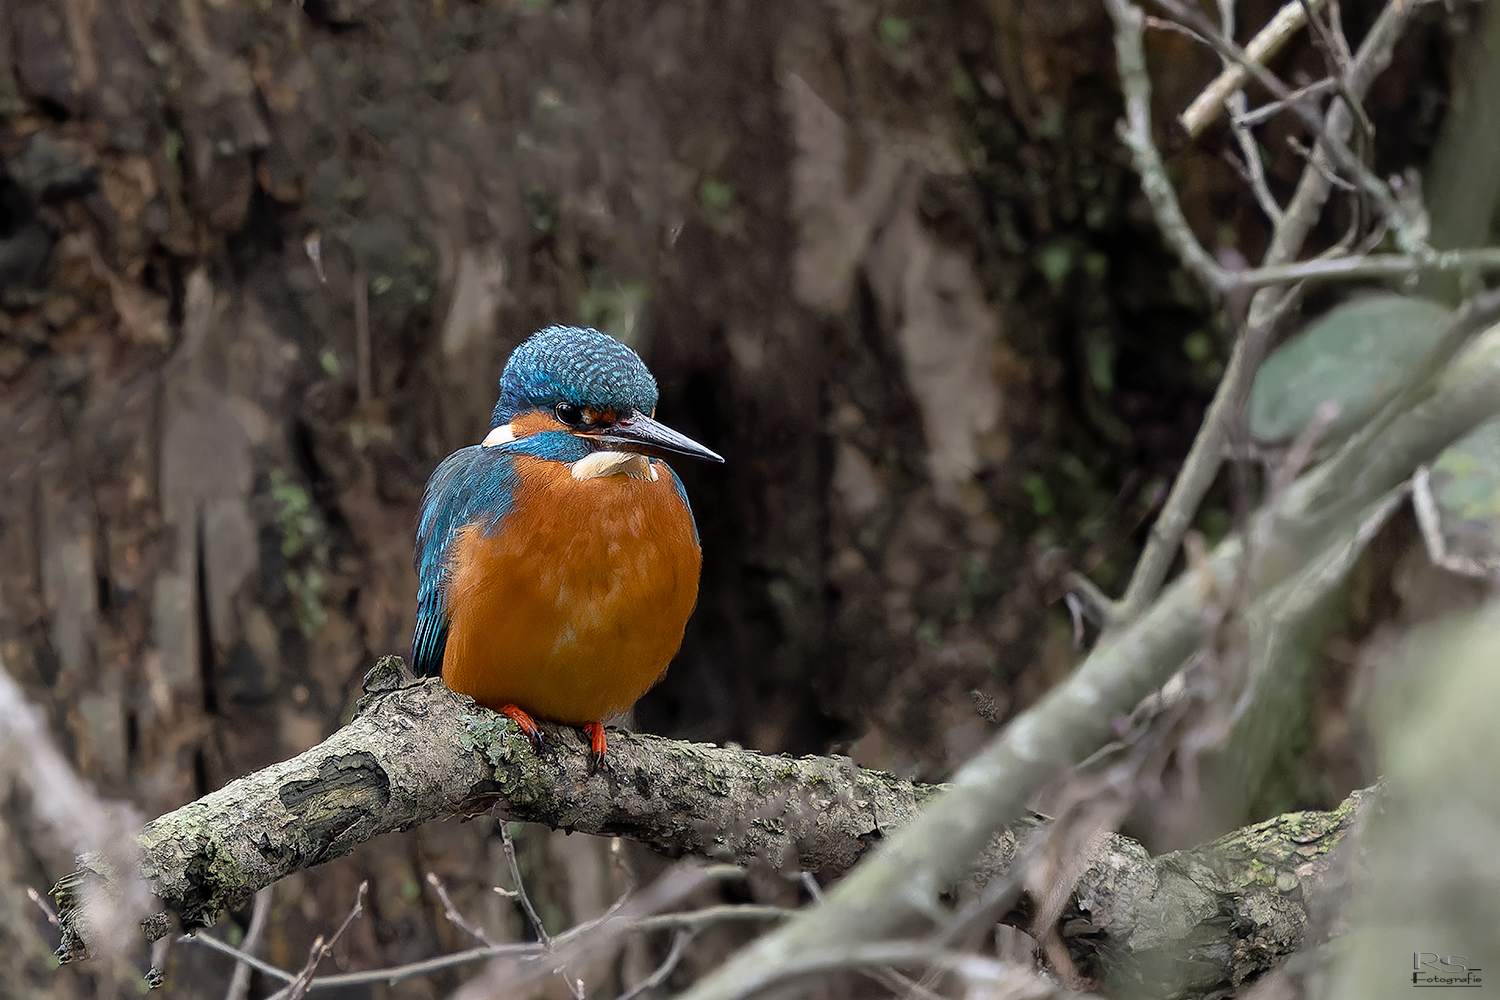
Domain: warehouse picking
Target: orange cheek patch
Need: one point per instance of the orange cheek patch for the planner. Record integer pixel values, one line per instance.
(535, 422)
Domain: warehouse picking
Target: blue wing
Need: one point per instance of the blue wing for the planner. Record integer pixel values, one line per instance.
(472, 485)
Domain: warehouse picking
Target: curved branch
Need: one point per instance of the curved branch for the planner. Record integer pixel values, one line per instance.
(420, 752)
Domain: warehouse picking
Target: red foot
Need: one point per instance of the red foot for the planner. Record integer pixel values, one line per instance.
(528, 727)
(597, 744)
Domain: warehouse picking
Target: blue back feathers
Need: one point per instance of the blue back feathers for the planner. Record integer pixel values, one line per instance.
(574, 365)
(477, 485)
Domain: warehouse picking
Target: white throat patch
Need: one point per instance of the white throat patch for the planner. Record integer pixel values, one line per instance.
(613, 463)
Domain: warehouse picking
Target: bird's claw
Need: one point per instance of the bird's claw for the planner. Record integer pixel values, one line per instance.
(527, 725)
(597, 746)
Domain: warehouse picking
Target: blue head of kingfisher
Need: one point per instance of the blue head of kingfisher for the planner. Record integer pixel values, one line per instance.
(558, 560)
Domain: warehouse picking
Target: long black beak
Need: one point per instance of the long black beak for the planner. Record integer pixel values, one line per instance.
(639, 433)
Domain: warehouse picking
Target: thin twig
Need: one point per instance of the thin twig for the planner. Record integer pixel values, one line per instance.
(1255, 171)
(1095, 604)
(1264, 113)
(321, 950)
(260, 916)
(575, 986)
(43, 905)
(242, 957)
(1135, 132)
(1300, 453)
(519, 892)
(691, 922)
(456, 918)
(1173, 28)
(665, 969)
(1267, 42)
(1370, 267)
(1313, 161)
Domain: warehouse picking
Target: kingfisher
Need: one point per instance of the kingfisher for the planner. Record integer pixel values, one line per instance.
(558, 560)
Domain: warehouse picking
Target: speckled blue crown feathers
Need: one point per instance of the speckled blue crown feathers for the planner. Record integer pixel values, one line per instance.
(576, 365)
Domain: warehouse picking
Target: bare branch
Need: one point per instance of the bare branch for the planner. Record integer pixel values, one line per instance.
(456, 918)
(1254, 169)
(668, 965)
(1135, 132)
(1201, 466)
(1264, 113)
(298, 989)
(260, 915)
(1207, 106)
(1410, 227)
(1372, 267)
(519, 892)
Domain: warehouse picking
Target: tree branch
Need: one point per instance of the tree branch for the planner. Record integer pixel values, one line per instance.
(420, 752)
(417, 752)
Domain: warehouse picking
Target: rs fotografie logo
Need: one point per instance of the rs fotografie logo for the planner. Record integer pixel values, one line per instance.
(1431, 969)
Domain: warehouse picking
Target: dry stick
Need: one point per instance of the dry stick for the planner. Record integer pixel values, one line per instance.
(1366, 267)
(456, 918)
(1201, 466)
(1264, 113)
(1255, 171)
(1411, 229)
(1135, 132)
(320, 950)
(665, 969)
(1267, 42)
(260, 916)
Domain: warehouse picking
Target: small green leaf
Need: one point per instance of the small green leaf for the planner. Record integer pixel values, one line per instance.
(1055, 261)
(716, 195)
(1099, 351)
(895, 30)
(1460, 515)
(330, 362)
(1041, 495)
(1356, 356)
(1198, 346)
(963, 86)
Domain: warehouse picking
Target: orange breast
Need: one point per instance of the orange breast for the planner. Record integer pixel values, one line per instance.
(573, 608)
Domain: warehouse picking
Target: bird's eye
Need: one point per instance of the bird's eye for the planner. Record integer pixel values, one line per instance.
(568, 414)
